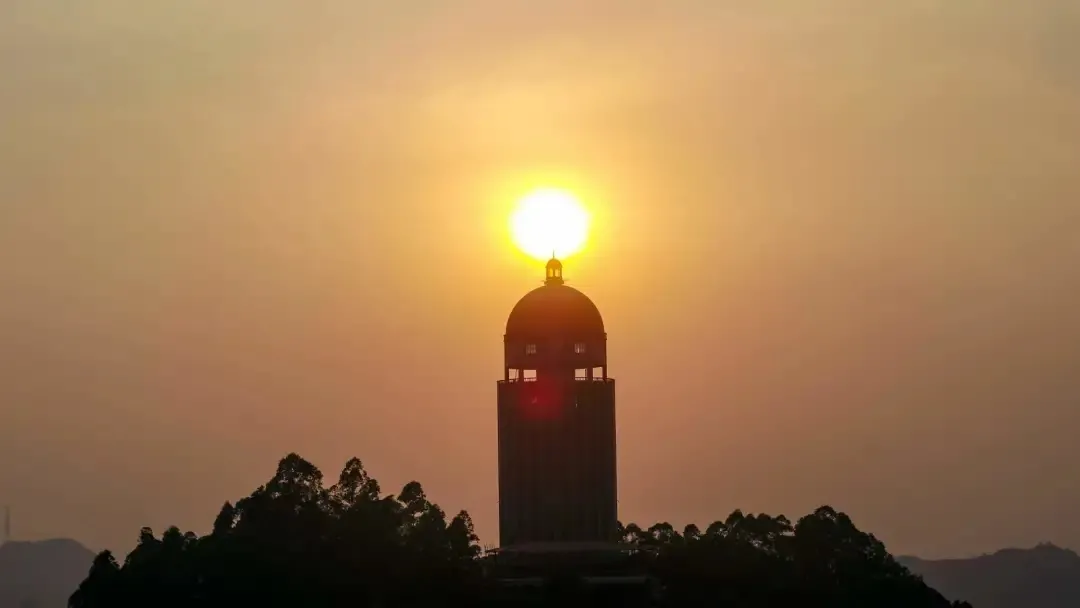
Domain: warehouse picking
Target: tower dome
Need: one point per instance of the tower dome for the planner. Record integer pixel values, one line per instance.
(555, 310)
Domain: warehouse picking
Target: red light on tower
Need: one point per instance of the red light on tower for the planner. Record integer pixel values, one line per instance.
(542, 400)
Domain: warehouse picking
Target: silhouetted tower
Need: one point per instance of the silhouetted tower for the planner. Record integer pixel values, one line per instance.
(557, 471)
(7, 525)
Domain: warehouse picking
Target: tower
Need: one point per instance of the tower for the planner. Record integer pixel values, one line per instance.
(556, 420)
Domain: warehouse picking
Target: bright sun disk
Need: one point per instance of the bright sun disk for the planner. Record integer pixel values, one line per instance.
(549, 221)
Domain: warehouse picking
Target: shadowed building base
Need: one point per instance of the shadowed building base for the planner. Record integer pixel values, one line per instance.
(571, 574)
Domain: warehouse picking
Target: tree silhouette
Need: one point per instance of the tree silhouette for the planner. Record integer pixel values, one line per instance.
(758, 560)
(295, 542)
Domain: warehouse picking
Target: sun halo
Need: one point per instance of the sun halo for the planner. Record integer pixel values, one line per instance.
(549, 221)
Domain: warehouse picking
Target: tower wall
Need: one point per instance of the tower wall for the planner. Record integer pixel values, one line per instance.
(557, 460)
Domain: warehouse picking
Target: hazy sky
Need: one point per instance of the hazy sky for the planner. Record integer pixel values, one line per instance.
(836, 249)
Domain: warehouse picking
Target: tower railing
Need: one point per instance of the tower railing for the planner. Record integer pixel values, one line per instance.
(576, 379)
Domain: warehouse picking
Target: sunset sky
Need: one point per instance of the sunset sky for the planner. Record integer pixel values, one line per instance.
(836, 244)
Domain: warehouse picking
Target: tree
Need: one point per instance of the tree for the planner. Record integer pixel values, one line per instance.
(295, 542)
(760, 560)
(101, 586)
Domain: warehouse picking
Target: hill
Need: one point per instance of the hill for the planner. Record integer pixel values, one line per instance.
(1042, 577)
(41, 574)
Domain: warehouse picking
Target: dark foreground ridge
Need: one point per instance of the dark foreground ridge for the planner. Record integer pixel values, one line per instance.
(294, 542)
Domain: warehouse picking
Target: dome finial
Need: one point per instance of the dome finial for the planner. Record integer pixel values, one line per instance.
(554, 271)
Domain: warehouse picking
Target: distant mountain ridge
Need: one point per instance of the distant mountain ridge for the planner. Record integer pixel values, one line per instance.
(1046, 576)
(41, 574)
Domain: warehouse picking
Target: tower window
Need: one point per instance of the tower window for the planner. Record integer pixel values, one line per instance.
(530, 349)
(579, 348)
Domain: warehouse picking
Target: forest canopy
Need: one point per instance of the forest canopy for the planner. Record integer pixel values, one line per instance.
(295, 541)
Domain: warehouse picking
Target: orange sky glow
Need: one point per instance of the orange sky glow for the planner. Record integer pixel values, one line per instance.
(834, 243)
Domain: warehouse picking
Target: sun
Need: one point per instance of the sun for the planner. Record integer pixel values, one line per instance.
(549, 221)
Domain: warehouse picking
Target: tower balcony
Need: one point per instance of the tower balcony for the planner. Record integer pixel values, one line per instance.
(576, 379)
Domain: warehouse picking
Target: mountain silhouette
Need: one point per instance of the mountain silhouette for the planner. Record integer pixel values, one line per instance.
(1045, 576)
(41, 574)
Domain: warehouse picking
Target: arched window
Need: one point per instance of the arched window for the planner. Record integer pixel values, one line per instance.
(579, 348)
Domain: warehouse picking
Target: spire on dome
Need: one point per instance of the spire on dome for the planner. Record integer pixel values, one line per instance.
(554, 272)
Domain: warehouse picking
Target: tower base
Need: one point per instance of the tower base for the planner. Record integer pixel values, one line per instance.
(569, 573)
